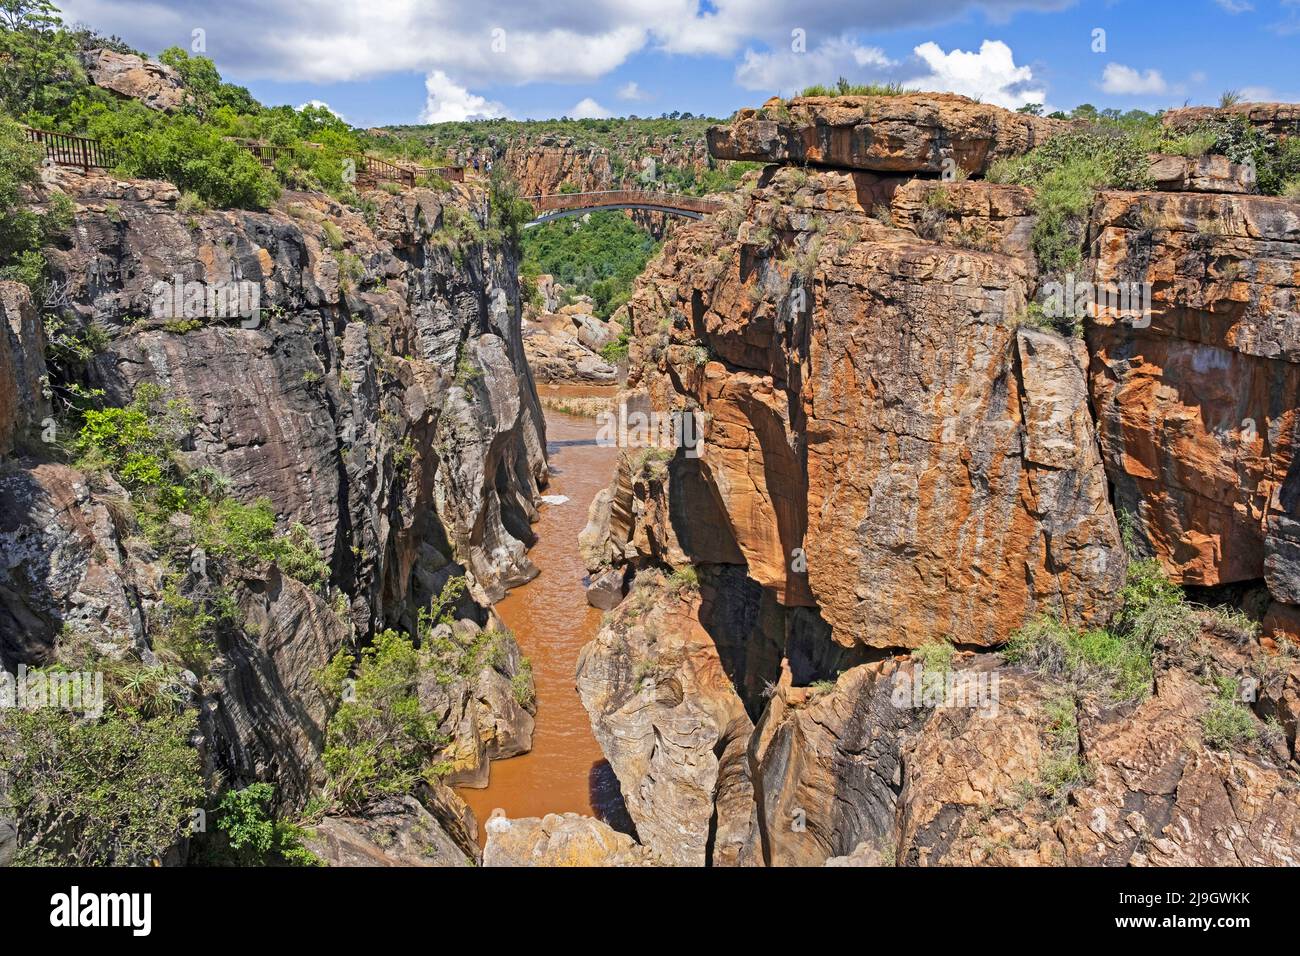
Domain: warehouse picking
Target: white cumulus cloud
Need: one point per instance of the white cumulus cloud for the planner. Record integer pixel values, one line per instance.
(321, 104)
(1125, 81)
(990, 75)
(587, 108)
(447, 102)
(632, 91)
(787, 71)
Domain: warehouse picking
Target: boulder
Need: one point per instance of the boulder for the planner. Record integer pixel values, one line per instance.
(154, 84)
(595, 334)
(567, 839)
(560, 356)
(483, 713)
(397, 831)
(657, 683)
(606, 590)
(1204, 174)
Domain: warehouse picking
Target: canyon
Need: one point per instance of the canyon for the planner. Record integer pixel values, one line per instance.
(640, 656)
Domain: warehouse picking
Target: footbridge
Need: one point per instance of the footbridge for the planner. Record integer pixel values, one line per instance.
(559, 205)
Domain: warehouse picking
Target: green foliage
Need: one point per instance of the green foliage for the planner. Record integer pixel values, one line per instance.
(1155, 611)
(187, 623)
(1066, 172)
(600, 258)
(379, 741)
(204, 88)
(509, 210)
(1091, 660)
(254, 835)
(23, 231)
(685, 578)
(936, 656)
(616, 351)
(38, 65)
(333, 235)
(1228, 724)
(116, 790)
(138, 446)
(192, 154)
(521, 685)
(1116, 661)
(247, 535)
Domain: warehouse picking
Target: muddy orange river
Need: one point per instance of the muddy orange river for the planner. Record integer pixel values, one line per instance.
(565, 771)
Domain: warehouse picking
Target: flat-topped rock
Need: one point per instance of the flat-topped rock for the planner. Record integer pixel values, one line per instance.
(1279, 119)
(1200, 174)
(913, 132)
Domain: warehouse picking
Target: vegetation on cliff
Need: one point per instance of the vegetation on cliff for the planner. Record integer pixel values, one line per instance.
(43, 84)
(599, 255)
(1110, 151)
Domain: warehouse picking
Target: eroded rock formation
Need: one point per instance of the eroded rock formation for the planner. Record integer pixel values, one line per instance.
(896, 456)
(376, 395)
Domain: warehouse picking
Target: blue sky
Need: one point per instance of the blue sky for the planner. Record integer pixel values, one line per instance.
(404, 61)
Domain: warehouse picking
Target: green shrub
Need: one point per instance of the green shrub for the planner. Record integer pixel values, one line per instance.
(23, 231)
(254, 836)
(114, 791)
(137, 445)
(521, 685)
(685, 578)
(247, 535)
(1228, 724)
(935, 656)
(843, 87)
(1092, 660)
(333, 235)
(379, 741)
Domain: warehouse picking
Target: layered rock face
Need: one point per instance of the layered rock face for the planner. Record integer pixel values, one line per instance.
(1197, 405)
(894, 457)
(912, 133)
(882, 439)
(377, 396)
(1277, 119)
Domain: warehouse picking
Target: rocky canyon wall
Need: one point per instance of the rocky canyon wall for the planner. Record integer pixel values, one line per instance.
(378, 400)
(898, 461)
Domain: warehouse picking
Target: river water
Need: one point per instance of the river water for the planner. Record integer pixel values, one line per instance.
(565, 771)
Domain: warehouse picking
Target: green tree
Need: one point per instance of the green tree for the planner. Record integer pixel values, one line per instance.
(38, 63)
